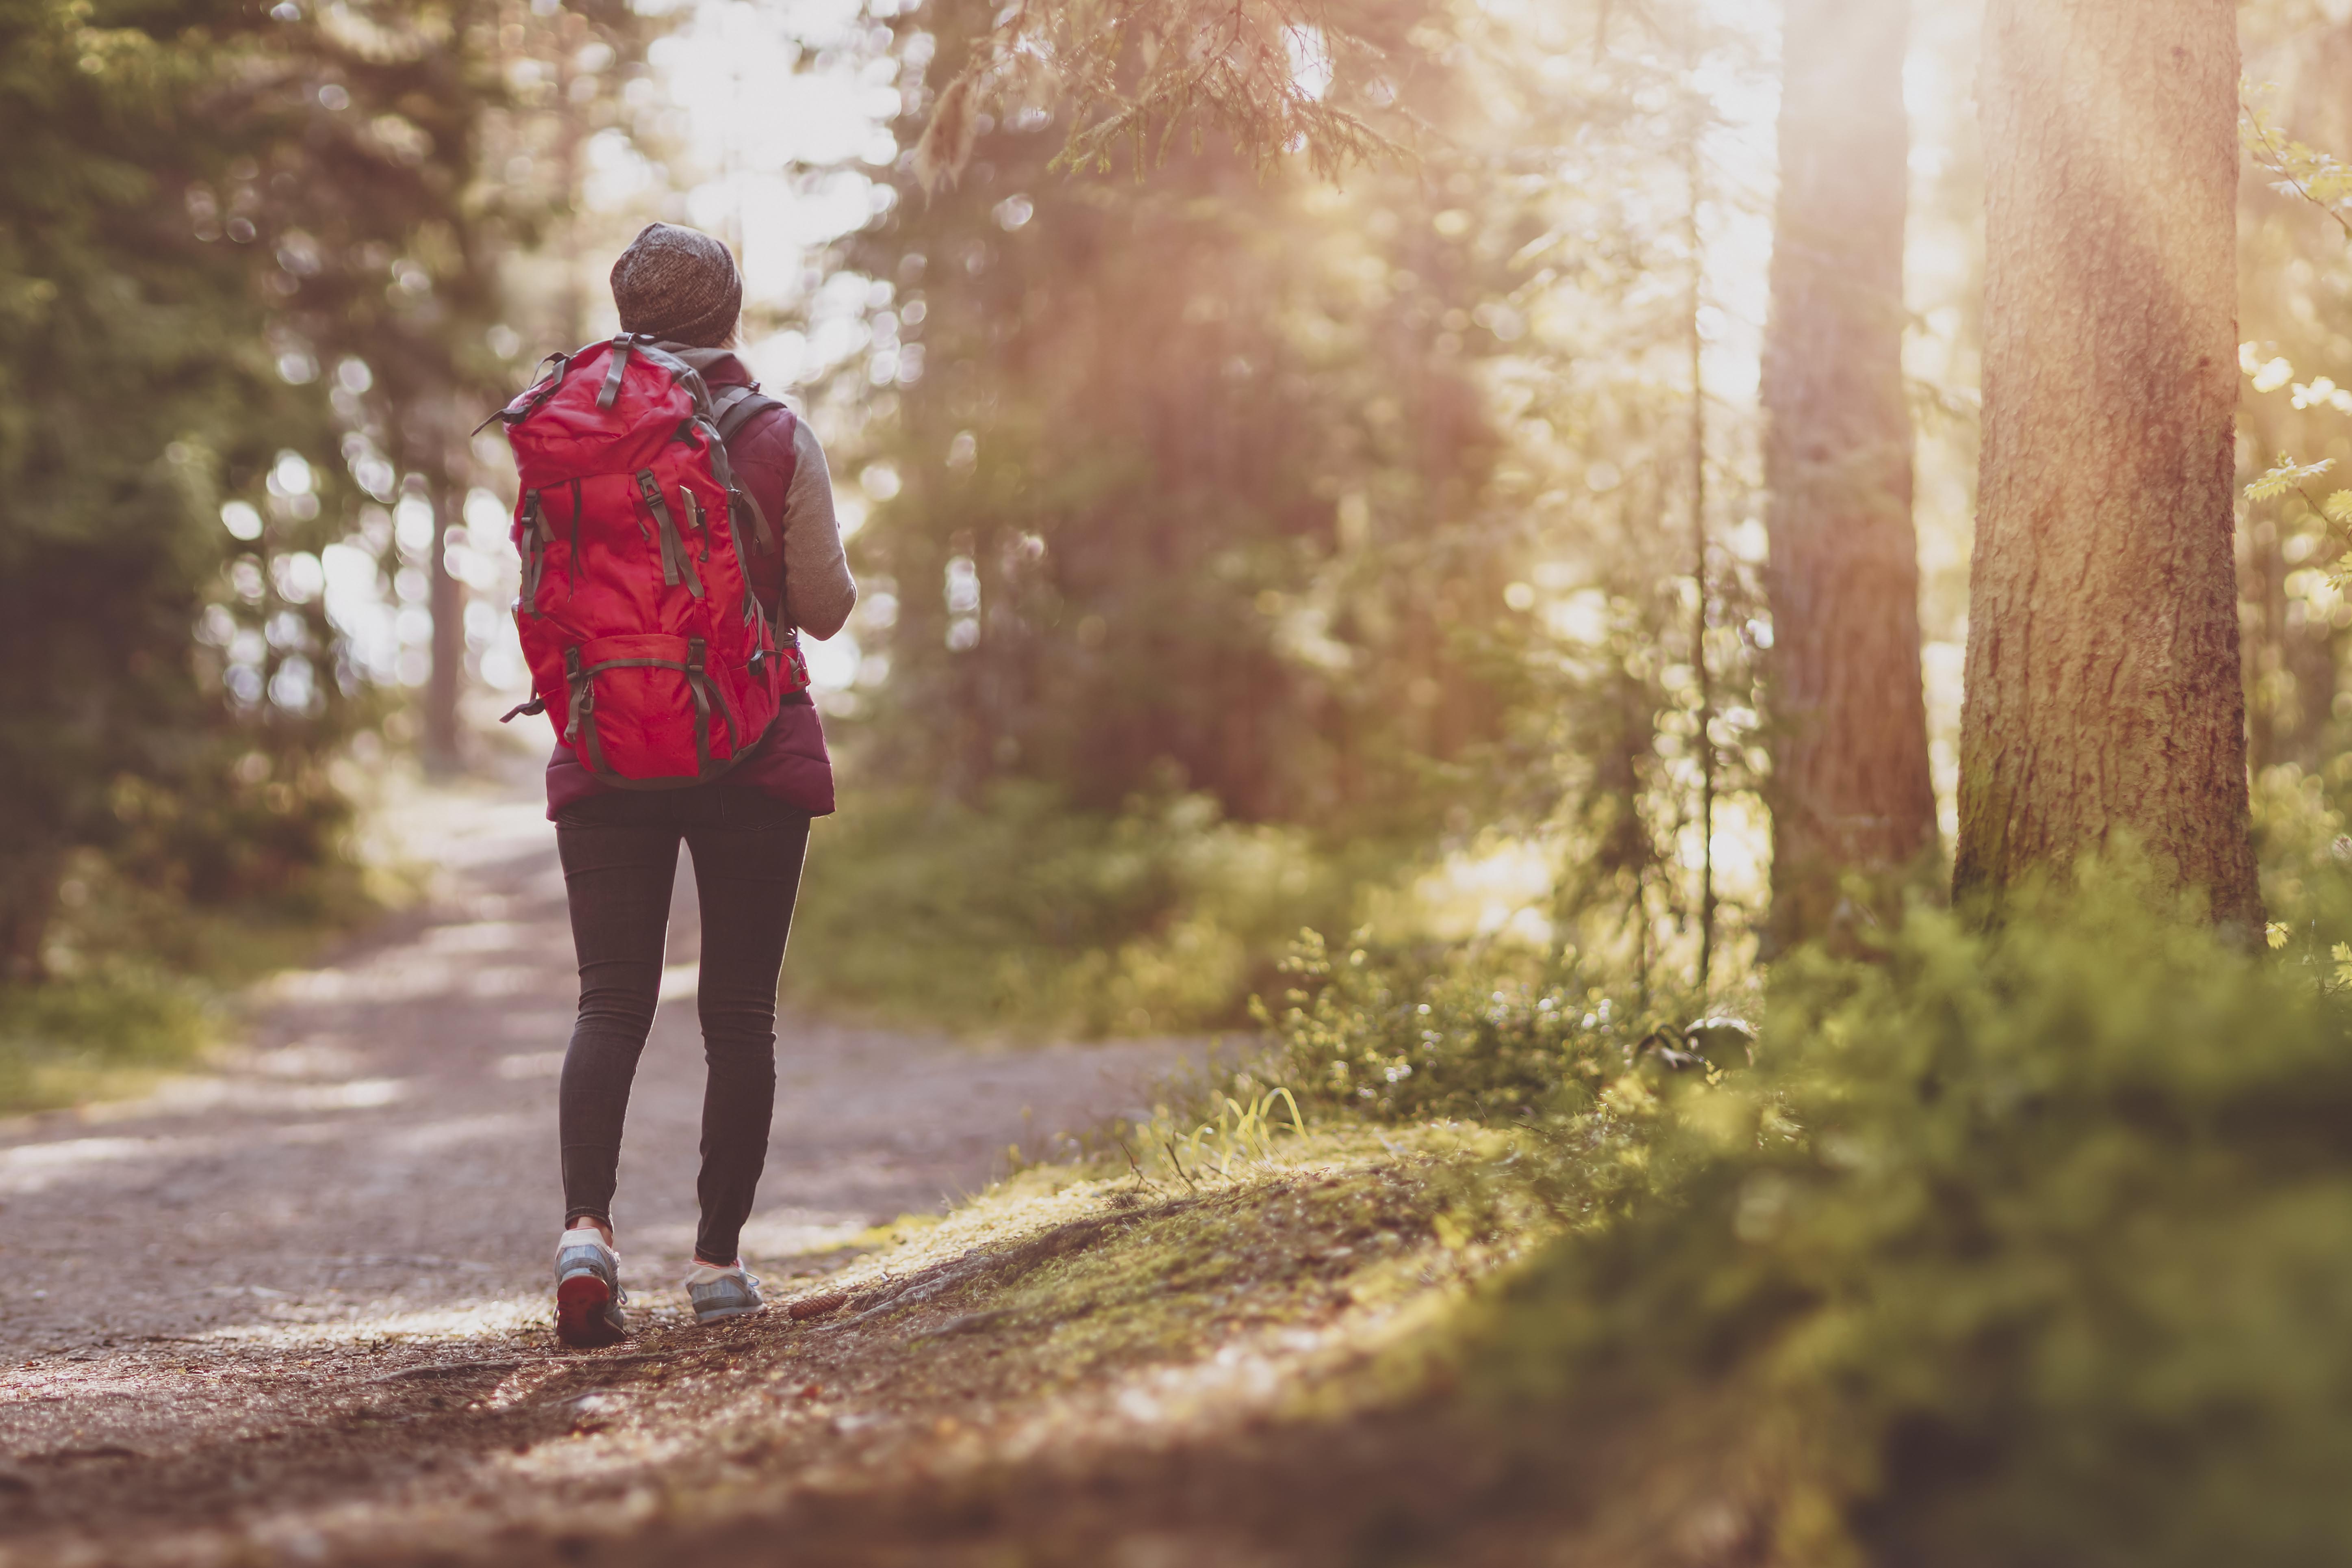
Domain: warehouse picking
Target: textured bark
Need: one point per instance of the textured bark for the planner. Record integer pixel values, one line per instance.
(444, 731)
(2102, 683)
(1852, 795)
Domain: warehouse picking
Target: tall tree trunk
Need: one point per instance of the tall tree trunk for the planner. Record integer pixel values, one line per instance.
(443, 736)
(1693, 175)
(1851, 792)
(2103, 682)
(30, 870)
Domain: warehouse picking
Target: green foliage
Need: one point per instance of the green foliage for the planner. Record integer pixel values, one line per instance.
(2285, 475)
(2315, 176)
(204, 202)
(1489, 1037)
(2027, 1246)
(62, 1041)
(1025, 914)
(2296, 626)
(134, 385)
(245, 264)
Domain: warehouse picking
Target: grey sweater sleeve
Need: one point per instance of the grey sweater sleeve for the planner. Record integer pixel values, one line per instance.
(818, 589)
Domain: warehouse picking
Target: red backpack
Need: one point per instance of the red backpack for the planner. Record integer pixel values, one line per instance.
(647, 646)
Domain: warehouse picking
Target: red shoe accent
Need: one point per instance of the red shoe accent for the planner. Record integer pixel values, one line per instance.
(580, 1320)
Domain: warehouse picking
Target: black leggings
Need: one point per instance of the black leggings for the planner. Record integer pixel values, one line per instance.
(620, 863)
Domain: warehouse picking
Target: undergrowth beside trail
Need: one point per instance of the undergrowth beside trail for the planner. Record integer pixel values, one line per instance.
(67, 1041)
(2028, 1245)
(1024, 913)
(140, 976)
(1500, 1035)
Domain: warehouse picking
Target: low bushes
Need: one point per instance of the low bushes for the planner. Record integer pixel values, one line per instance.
(1020, 912)
(2025, 1247)
(140, 972)
(1501, 1035)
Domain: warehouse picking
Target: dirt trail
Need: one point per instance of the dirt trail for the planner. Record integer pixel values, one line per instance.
(221, 1303)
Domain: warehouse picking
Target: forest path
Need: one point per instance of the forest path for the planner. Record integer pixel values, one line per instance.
(197, 1289)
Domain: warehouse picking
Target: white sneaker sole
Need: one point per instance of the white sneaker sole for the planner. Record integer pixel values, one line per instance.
(715, 1315)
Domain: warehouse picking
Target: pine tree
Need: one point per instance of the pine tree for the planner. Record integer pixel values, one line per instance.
(1434, 685)
(1168, 500)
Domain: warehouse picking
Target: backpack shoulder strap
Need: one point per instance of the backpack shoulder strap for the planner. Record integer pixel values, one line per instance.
(736, 406)
(732, 411)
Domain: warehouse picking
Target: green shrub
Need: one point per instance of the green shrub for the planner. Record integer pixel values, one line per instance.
(1023, 912)
(2027, 1247)
(1496, 1035)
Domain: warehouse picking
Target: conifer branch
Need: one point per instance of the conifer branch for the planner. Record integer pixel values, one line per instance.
(1131, 73)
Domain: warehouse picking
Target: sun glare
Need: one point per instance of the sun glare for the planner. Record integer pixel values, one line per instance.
(787, 103)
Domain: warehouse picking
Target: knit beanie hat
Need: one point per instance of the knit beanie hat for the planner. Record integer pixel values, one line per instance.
(677, 284)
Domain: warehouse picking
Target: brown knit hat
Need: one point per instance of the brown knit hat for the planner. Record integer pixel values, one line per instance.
(679, 285)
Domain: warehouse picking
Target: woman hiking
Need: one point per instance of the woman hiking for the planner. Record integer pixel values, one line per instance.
(747, 824)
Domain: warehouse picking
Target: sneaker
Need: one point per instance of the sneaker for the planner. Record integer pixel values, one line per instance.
(717, 1293)
(588, 1294)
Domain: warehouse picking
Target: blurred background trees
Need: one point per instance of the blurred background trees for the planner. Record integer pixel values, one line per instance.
(1194, 483)
(1381, 475)
(253, 263)
(1386, 509)
(162, 698)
